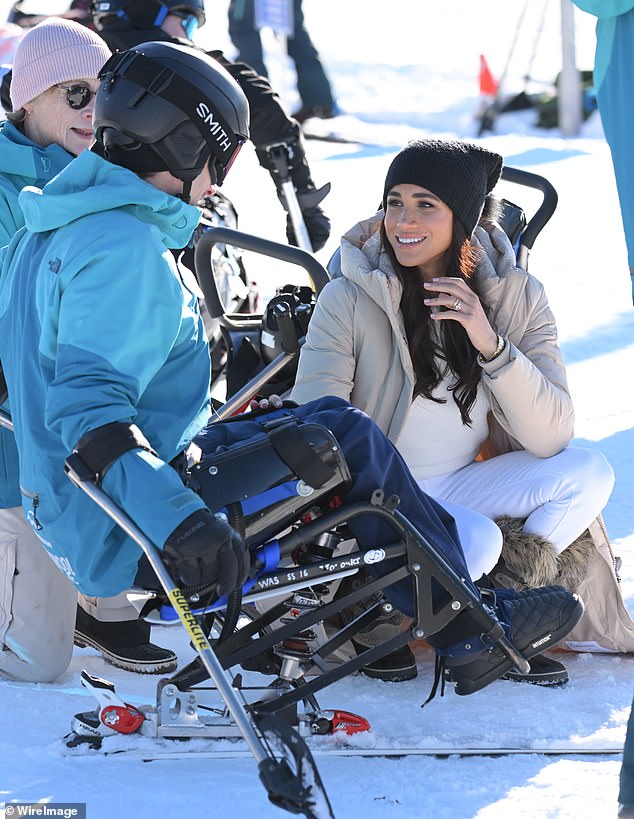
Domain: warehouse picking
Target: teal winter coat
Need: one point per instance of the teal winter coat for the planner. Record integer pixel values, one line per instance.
(22, 162)
(97, 325)
(613, 78)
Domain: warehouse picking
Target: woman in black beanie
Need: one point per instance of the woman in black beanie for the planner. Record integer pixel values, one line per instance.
(452, 349)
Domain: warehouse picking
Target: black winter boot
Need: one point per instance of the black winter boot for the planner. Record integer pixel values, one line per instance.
(533, 620)
(125, 644)
(400, 664)
(397, 666)
(544, 671)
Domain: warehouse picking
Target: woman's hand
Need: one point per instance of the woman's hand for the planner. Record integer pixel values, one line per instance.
(457, 302)
(272, 402)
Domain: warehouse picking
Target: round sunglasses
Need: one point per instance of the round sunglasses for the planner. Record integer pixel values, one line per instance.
(77, 96)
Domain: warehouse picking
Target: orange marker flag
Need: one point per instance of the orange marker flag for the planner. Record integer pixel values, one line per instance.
(488, 85)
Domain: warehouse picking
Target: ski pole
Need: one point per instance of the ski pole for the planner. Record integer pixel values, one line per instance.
(297, 218)
(5, 420)
(279, 155)
(488, 116)
(77, 473)
(283, 787)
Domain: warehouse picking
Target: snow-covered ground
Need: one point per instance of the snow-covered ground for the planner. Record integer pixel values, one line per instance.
(403, 72)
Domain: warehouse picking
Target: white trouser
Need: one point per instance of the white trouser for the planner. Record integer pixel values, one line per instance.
(37, 605)
(480, 538)
(115, 609)
(559, 496)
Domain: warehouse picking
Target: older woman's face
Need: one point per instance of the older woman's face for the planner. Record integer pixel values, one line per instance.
(50, 119)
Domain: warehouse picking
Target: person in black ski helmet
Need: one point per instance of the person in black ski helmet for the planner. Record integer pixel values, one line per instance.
(189, 115)
(170, 121)
(150, 13)
(124, 24)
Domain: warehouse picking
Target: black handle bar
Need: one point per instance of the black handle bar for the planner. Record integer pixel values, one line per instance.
(285, 253)
(544, 211)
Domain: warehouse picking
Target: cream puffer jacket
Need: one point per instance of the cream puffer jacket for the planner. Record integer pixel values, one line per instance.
(356, 347)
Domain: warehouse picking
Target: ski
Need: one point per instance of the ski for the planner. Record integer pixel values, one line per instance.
(151, 755)
(348, 129)
(333, 136)
(190, 724)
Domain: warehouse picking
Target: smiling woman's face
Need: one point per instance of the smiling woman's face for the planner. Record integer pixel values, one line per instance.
(50, 119)
(419, 227)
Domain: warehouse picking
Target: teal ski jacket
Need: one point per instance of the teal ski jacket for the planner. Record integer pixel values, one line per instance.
(611, 40)
(98, 325)
(22, 163)
(613, 78)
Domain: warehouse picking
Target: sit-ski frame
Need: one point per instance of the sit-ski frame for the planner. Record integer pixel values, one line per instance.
(419, 558)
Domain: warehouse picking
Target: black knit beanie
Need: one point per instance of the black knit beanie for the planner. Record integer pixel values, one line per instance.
(459, 173)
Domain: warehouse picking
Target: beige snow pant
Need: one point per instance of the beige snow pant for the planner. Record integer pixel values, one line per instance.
(38, 606)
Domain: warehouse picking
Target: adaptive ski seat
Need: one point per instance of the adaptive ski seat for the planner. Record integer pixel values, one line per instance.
(283, 488)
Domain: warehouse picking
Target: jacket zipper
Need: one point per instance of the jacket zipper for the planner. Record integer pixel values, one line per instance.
(616, 561)
(35, 502)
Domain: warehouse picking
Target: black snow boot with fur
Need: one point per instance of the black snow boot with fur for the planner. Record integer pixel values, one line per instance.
(533, 620)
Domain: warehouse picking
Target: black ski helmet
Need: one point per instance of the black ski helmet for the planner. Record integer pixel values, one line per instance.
(145, 13)
(164, 106)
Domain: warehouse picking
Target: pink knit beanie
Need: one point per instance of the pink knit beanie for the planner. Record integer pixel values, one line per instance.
(52, 52)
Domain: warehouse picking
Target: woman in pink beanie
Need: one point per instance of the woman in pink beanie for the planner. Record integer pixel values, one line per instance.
(53, 84)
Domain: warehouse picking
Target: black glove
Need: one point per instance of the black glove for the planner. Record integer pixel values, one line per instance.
(205, 550)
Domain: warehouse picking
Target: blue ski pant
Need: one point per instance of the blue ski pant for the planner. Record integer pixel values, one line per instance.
(374, 463)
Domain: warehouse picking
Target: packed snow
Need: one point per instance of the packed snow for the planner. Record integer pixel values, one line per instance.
(411, 70)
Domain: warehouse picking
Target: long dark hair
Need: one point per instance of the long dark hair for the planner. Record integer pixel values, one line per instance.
(455, 352)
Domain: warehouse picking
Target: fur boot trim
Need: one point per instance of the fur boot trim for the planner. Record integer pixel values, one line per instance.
(573, 561)
(531, 558)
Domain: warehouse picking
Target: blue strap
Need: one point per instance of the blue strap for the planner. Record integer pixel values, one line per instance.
(269, 554)
(269, 497)
(160, 17)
